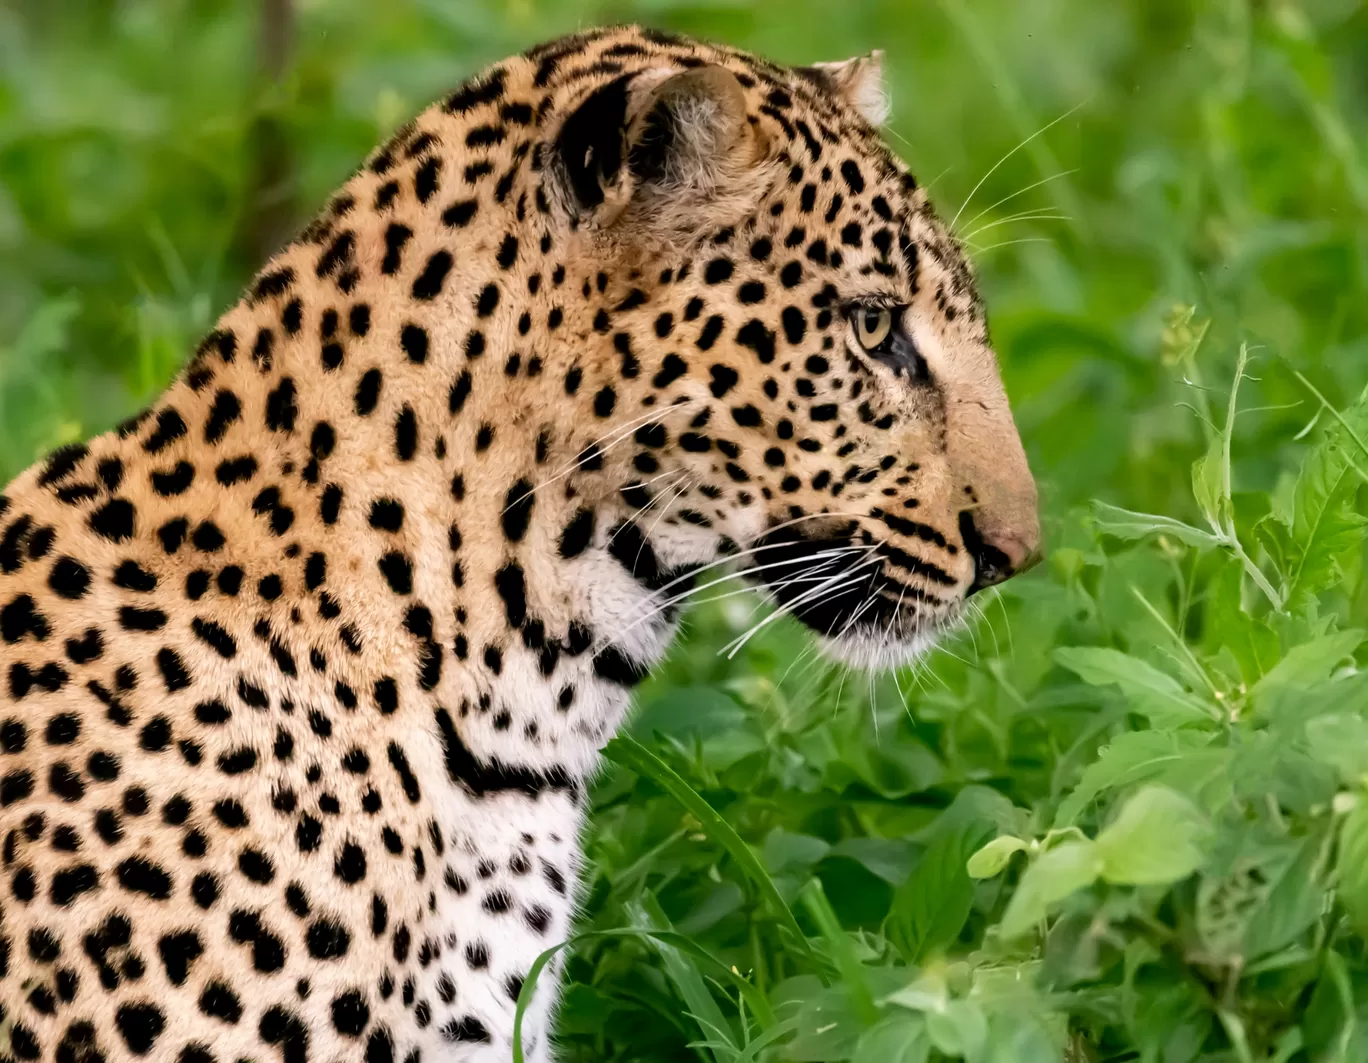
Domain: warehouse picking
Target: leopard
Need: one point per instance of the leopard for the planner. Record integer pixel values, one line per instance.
(308, 667)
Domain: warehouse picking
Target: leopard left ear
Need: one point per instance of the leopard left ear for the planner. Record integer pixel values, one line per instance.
(858, 81)
(657, 149)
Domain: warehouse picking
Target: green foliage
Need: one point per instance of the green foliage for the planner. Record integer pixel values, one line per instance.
(1124, 816)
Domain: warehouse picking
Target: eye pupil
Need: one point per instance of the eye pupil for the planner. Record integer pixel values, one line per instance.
(871, 321)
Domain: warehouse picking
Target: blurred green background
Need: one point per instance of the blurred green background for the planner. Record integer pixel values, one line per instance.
(1109, 163)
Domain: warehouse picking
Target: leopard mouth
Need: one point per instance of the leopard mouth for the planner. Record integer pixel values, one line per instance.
(847, 587)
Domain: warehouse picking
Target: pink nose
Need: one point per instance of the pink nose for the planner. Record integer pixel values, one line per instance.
(998, 555)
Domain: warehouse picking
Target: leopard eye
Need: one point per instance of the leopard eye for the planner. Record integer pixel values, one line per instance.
(873, 327)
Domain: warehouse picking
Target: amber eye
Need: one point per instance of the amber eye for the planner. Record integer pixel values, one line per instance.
(873, 327)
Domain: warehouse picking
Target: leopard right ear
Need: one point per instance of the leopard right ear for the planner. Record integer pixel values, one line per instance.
(652, 149)
(859, 82)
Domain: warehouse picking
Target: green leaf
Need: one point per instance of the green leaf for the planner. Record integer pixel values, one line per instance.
(1157, 839)
(1340, 740)
(842, 950)
(1307, 664)
(1128, 524)
(1208, 483)
(1324, 523)
(629, 753)
(689, 983)
(959, 1030)
(1051, 878)
(993, 857)
(1138, 756)
(900, 1038)
(1152, 693)
(1351, 865)
(1293, 901)
(929, 909)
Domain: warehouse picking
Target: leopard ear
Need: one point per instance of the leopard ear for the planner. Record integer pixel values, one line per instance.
(858, 81)
(656, 146)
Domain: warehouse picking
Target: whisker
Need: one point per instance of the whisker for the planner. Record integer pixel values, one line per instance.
(1019, 192)
(851, 577)
(974, 191)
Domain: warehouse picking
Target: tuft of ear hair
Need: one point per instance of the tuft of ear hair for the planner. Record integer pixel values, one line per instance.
(650, 149)
(860, 82)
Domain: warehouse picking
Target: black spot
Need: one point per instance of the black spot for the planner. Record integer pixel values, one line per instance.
(458, 215)
(282, 407)
(398, 572)
(512, 588)
(218, 1001)
(178, 952)
(71, 882)
(467, 1029)
(493, 776)
(517, 511)
(368, 392)
(350, 863)
(853, 178)
(173, 671)
(396, 236)
(170, 427)
(488, 300)
(69, 578)
(429, 283)
(113, 520)
(350, 1013)
(140, 1024)
(414, 340)
(278, 1026)
(406, 434)
(138, 875)
(425, 180)
(460, 391)
(133, 577)
(131, 619)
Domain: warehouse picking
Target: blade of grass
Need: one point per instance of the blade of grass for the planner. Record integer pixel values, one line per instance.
(758, 1003)
(852, 971)
(627, 752)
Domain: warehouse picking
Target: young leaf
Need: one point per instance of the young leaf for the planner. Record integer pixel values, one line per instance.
(1208, 478)
(1324, 523)
(930, 907)
(1128, 524)
(1157, 839)
(993, 857)
(900, 1038)
(1054, 876)
(1341, 740)
(1151, 692)
(1133, 757)
(959, 1030)
(1308, 664)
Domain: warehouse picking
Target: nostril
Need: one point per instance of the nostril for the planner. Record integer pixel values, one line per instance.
(992, 565)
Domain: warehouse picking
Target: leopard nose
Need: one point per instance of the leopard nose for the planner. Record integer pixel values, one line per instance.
(998, 555)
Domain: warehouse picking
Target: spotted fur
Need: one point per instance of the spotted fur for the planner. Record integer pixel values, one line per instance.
(305, 668)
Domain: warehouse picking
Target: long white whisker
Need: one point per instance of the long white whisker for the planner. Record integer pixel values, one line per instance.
(604, 444)
(1020, 192)
(1034, 216)
(974, 191)
(856, 573)
(658, 607)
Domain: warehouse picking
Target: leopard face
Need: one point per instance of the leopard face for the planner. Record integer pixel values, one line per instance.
(800, 363)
